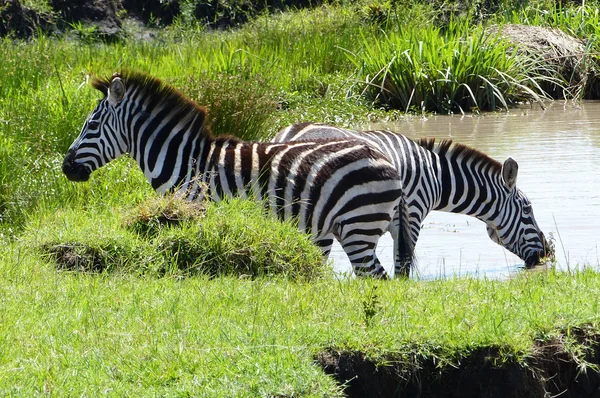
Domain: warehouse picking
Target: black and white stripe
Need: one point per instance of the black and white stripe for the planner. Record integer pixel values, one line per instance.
(448, 177)
(342, 189)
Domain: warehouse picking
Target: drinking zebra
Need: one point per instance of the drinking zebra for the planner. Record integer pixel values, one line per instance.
(342, 189)
(449, 177)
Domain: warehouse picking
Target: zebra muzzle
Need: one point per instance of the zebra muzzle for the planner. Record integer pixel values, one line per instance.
(537, 258)
(74, 171)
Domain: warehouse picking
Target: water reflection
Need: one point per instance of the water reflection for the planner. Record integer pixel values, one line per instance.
(558, 151)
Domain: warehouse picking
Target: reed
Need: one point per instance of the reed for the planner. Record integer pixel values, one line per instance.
(458, 70)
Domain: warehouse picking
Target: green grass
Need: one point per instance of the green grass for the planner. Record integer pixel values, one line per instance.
(70, 333)
(457, 70)
(167, 236)
(309, 65)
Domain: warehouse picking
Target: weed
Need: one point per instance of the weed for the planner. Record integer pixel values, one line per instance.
(370, 304)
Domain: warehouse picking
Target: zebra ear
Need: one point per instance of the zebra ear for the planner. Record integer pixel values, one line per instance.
(116, 91)
(510, 168)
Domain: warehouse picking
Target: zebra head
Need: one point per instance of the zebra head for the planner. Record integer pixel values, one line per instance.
(514, 227)
(101, 139)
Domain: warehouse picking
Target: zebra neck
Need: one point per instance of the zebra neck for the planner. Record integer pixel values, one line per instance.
(167, 150)
(173, 165)
(468, 186)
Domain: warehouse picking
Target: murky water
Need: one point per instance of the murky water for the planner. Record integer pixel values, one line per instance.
(558, 151)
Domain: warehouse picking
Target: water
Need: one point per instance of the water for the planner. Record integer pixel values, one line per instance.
(558, 151)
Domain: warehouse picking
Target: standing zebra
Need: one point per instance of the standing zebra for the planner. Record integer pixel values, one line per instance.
(342, 189)
(448, 177)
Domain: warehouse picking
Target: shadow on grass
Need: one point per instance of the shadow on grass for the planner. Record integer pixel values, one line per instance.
(552, 370)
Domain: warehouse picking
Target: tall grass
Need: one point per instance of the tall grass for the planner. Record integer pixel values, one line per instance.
(275, 70)
(458, 70)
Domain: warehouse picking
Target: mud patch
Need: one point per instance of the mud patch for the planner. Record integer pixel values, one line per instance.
(551, 370)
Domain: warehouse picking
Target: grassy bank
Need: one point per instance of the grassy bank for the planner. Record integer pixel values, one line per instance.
(71, 333)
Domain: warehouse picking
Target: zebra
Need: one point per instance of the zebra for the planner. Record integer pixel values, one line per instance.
(332, 189)
(449, 177)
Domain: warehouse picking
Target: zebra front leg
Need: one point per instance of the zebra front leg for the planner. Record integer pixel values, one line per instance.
(325, 244)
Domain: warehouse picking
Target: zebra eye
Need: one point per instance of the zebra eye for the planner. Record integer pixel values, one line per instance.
(527, 210)
(92, 124)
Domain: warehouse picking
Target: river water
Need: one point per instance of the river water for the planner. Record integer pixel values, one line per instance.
(558, 151)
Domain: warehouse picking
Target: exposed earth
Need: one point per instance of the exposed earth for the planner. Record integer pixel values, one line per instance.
(550, 372)
(108, 17)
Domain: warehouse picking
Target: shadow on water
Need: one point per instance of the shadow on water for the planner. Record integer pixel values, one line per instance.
(558, 151)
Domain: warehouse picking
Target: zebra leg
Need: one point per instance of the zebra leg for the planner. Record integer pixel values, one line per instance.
(360, 249)
(400, 230)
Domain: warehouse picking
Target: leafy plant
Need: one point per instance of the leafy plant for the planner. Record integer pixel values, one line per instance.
(370, 304)
(463, 70)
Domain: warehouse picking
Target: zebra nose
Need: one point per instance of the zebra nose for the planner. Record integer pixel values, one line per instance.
(548, 249)
(68, 162)
(73, 170)
(70, 155)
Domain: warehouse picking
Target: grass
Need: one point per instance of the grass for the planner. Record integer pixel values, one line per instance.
(170, 237)
(276, 70)
(429, 69)
(71, 333)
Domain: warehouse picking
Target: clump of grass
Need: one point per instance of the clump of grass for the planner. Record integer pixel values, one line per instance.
(156, 213)
(461, 70)
(238, 104)
(239, 238)
(98, 255)
(171, 237)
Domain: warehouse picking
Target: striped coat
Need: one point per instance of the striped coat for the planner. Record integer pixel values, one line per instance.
(345, 190)
(450, 177)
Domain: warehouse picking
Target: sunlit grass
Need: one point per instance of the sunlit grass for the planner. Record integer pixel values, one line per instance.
(459, 70)
(77, 333)
(148, 324)
(168, 236)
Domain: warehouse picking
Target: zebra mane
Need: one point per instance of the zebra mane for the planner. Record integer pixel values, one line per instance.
(446, 147)
(149, 86)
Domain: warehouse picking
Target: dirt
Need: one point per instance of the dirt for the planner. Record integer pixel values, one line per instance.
(549, 371)
(20, 21)
(108, 19)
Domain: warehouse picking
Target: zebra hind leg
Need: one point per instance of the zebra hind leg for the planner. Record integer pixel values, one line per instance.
(362, 256)
(363, 266)
(399, 228)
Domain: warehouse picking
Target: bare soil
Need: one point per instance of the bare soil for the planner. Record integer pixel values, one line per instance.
(550, 371)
